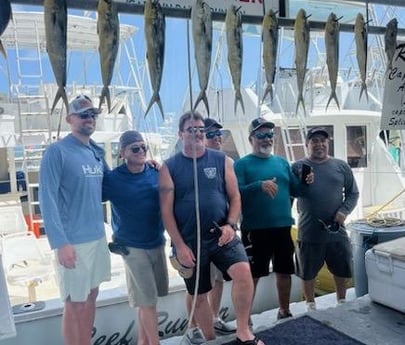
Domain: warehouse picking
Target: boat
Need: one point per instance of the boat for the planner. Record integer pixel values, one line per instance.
(356, 138)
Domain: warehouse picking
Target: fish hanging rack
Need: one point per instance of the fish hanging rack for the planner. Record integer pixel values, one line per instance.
(136, 8)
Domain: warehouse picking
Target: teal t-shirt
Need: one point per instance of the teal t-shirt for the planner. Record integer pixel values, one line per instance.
(259, 210)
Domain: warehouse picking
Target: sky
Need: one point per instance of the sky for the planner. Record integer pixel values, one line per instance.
(175, 81)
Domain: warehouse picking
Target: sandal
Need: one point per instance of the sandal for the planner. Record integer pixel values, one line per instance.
(254, 341)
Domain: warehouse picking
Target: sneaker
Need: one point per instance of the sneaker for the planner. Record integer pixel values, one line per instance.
(283, 316)
(195, 337)
(311, 306)
(222, 328)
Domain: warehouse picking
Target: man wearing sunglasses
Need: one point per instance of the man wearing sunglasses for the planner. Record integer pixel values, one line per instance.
(70, 185)
(132, 189)
(217, 202)
(266, 182)
(213, 135)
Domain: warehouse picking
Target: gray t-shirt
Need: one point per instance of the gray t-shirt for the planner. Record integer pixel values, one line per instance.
(334, 190)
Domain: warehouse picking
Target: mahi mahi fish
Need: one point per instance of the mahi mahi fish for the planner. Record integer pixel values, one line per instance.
(202, 36)
(301, 39)
(390, 39)
(5, 16)
(332, 54)
(55, 14)
(233, 25)
(360, 35)
(108, 29)
(270, 42)
(155, 26)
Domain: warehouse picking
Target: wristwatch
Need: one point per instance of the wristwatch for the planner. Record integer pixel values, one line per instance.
(234, 226)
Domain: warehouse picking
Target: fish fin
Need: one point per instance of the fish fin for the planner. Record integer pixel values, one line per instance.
(155, 99)
(202, 97)
(2, 50)
(363, 88)
(300, 100)
(105, 94)
(333, 96)
(238, 98)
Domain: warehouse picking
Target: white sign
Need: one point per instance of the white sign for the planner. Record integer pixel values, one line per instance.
(248, 7)
(393, 110)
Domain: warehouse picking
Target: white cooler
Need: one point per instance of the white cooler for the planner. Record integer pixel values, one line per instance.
(385, 267)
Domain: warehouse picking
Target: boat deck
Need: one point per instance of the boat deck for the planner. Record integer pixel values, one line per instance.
(360, 318)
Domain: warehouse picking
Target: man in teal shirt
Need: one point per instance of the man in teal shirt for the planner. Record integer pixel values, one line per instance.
(266, 184)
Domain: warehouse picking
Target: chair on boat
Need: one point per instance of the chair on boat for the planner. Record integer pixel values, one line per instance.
(24, 261)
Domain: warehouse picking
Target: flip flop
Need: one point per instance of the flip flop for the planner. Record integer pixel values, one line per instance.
(254, 341)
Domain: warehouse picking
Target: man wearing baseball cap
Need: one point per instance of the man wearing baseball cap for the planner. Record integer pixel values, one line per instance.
(132, 189)
(266, 183)
(322, 236)
(71, 176)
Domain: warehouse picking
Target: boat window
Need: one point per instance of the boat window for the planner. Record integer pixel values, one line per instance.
(356, 146)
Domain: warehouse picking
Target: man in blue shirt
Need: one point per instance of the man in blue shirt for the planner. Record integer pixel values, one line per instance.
(132, 189)
(70, 184)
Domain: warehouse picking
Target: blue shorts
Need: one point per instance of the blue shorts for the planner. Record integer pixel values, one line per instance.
(272, 244)
(223, 258)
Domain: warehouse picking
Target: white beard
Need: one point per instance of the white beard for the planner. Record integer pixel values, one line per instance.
(265, 150)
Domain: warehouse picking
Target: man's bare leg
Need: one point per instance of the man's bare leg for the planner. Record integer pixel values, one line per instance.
(341, 286)
(215, 296)
(203, 317)
(148, 332)
(283, 282)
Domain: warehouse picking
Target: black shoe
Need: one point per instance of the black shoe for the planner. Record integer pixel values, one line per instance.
(283, 316)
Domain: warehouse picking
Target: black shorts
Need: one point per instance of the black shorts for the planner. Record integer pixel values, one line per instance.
(272, 244)
(223, 258)
(337, 255)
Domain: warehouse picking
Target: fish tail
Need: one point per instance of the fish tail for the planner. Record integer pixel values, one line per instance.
(105, 94)
(61, 93)
(333, 96)
(238, 98)
(300, 100)
(202, 97)
(2, 50)
(269, 90)
(363, 88)
(155, 99)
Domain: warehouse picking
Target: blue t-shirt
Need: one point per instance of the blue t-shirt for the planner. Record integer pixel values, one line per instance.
(259, 210)
(134, 197)
(70, 181)
(213, 205)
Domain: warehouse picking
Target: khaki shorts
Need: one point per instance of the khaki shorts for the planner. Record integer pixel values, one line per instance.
(147, 277)
(92, 268)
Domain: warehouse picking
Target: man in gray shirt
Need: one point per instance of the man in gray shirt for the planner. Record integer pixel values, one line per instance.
(323, 207)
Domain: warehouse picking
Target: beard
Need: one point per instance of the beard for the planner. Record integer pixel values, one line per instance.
(265, 150)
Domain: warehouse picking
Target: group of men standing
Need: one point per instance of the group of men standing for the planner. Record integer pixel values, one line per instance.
(199, 196)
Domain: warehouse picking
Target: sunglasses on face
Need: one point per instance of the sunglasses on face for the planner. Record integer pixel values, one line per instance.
(213, 134)
(136, 149)
(261, 135)
(87, 115)
(195, 130)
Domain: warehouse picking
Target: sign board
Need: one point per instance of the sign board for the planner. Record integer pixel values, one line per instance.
(248, 7)
(393, 110)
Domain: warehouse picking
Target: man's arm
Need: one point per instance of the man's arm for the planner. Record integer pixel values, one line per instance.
(232, 191)
(166, 195)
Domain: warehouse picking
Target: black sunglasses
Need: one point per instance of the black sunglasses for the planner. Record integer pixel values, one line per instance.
(213, 134)
(87, 115)
(195, 130)
(136, 149)
(261, 135)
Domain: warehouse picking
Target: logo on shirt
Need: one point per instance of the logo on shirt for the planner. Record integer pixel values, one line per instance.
(210, 172)
(92, 170)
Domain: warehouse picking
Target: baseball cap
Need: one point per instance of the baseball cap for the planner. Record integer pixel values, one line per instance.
(210, 123)
(81, 104)
(130, 137)
(259, 122)
(317, 130)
